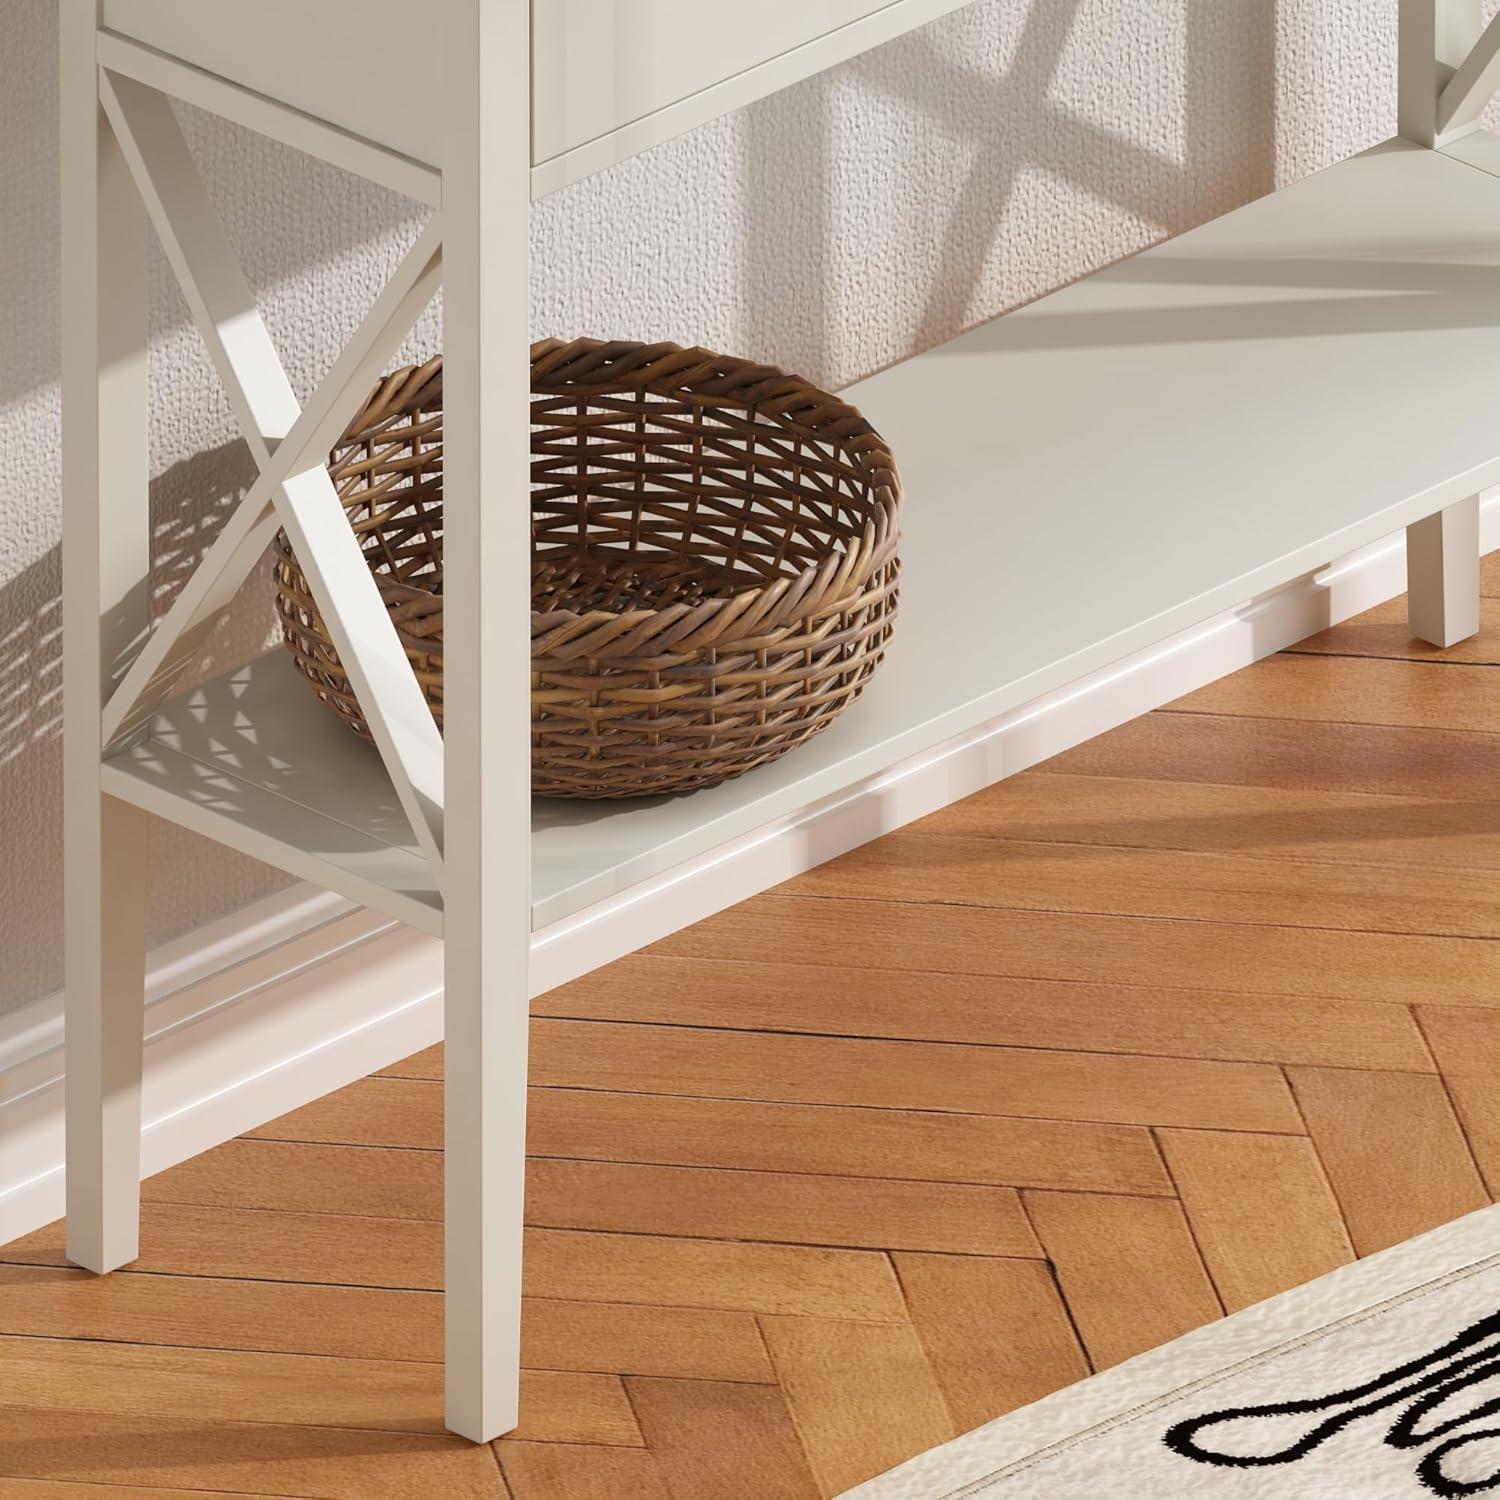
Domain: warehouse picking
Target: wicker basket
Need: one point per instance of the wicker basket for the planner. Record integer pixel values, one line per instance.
(713, 569)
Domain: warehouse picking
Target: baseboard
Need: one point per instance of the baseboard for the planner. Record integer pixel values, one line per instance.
(302, 994)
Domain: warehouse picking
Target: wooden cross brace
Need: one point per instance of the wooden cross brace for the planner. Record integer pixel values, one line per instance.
(1449, 69)
(289, 445)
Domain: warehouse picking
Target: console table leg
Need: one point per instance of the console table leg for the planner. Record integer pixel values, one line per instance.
(487, 703)
(105, 1006)
(106, 572)
(1442, 574)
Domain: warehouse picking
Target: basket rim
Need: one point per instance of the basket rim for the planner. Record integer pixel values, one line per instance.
(615, 366)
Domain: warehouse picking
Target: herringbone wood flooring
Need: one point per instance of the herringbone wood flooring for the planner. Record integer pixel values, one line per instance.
(1187, 1016)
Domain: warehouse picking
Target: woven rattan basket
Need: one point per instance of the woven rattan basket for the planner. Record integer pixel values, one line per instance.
(713, 569)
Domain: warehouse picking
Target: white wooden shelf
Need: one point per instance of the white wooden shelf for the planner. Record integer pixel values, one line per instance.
(242, 760)
(1098, 447)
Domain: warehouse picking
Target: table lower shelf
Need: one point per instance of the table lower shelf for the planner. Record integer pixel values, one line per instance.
(1085, 477)
(253, 760)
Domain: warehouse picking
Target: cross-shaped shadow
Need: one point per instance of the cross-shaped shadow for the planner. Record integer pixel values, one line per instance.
(1024, 121)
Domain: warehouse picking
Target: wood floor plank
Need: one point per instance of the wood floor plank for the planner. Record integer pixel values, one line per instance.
(622, 1338)
(750, 1135)
(1260, 1208)
(566, 1471)
(753, 1448)
(299, 1177)
(48, 1489)
(1097, 950)
(214, 1386)
(254, 1245)
(1147, 1019)
(260, 1458)
(864, 1398)
(629, 1197)
(1393, 1151)
(1303, 822)
(881, 1074)
(428, 1063)
(1384, 632)
(787, 1207)
(1466, 1044)
(206, 1312)
(370, 1323)
(1354, 690)
(1452, 767)
(402, 1113)
(729, 1275)
(569, 1265)
(996, 1332)
(1128, 1267)
(792, 1219)
(591, 1125)
(1197, 884)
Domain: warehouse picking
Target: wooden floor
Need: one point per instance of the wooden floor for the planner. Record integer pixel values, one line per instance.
(1187, 1016)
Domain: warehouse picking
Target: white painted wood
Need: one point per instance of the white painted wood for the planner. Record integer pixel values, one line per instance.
(740, 85)
(1434, 38)
(196, 781)
(309, 57)
(31, 1035)
(1368, 378)
(311, 846)
(273, 1007)
(251, 760)
(303, 1008)
(1472, 86)
(219, 298)
(1442, 574)
(106, 565)
(1478, 149)
(596, 68)
(574, 945)
(348, 598)
(243, 538)
(612, 79)
(292, 127)
(105, 922)
(1259, 395)
(487, 703)
(224, 308)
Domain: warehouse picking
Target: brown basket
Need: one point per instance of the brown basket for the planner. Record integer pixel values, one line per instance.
(713, 568)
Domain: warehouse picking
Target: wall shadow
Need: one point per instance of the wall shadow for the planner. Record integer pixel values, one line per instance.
(320, 213)
(1012, 125)
(189, 502)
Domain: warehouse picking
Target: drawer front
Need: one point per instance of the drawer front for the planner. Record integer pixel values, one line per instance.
(620, 74)
(369, 66)
(597, 67)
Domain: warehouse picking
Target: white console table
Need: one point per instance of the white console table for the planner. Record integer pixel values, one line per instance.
(1208, 420)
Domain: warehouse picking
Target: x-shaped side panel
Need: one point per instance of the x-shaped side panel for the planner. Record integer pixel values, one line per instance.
(288, 445)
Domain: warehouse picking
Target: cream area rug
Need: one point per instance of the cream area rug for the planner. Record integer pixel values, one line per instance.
(1379, 1381)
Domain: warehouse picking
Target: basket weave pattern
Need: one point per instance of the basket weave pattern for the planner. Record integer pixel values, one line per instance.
(714, 560)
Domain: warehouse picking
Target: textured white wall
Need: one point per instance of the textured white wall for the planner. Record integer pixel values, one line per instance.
(833, 228)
